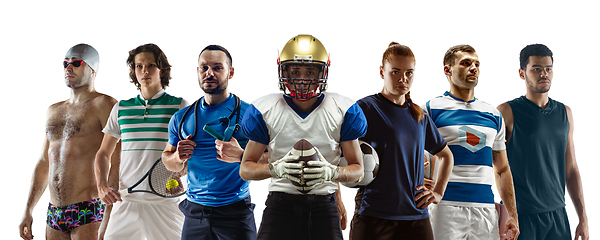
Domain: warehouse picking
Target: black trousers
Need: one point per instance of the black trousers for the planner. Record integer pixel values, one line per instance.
(230, 222)
(301, 217)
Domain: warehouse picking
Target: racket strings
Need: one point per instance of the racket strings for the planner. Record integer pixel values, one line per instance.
(165, 182)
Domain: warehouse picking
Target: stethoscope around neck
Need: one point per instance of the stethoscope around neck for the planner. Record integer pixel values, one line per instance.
(224, 121)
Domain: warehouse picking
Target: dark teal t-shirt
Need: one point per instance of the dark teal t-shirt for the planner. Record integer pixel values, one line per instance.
(536, 154)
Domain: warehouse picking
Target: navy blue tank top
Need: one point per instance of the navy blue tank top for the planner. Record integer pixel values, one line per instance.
(536, 154)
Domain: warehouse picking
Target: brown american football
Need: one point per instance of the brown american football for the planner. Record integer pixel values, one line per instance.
(306, 152)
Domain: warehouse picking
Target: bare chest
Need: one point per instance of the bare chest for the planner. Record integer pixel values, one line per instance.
(67, 122)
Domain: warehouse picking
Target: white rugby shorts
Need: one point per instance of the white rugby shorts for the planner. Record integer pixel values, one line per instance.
(466, 223)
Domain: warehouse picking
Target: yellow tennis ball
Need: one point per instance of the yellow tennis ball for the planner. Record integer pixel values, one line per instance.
(172, 183)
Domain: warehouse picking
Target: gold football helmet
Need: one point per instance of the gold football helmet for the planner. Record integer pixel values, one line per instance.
(303, 51)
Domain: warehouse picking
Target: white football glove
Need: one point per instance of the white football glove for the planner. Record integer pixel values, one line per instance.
(320, 171)
(282, 168)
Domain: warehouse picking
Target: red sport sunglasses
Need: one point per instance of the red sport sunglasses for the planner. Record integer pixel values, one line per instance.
(75, 63)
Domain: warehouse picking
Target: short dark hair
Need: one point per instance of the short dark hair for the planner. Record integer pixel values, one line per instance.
(450, 55)
(534, 50)
(161, 61)
(218, 48)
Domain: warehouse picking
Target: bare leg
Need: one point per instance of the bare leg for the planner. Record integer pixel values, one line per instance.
(86, 232)
(53, 234)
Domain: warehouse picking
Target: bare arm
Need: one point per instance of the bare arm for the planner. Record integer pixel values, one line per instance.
(39, 183)
(102, 167)
(504, 182)
(251, 168)
(110, 151)
(507, 115)
(113, 183)
(435, 195)
(354, 171)
(574, 185)
(444, 171)
(341, 208)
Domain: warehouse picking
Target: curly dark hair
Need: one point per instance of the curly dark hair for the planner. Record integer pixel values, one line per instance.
(161, 61)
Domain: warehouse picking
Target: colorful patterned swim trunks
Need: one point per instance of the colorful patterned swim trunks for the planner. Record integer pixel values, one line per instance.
(67, 218)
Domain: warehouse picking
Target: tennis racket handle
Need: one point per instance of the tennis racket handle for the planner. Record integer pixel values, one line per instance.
(123, 192)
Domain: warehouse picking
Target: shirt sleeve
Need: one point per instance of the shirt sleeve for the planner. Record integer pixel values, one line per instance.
(354, 125)
(112, 127)
(183, 104)
(426, 108)
(500, 140)
(434, 141)
(174, 129)
(254, 126)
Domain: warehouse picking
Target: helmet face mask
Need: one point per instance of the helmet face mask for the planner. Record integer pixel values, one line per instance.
(302, 81)
(303, 67)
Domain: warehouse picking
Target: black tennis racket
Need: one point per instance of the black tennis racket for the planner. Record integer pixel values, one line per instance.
(163, 183)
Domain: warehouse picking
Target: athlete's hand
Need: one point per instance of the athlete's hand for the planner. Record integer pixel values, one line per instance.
(185, 148)
(174, 190)
(282, 168)
(25, 227)
(320, 171)
(512, 229)
(430, 184)
(230, 152)
(341, 210)
(427, 197)
(109, 195)
(582, 231)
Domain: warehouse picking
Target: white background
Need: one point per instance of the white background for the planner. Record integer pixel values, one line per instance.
(35, 35)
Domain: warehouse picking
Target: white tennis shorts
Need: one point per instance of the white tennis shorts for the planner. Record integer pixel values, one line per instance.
(133, 221)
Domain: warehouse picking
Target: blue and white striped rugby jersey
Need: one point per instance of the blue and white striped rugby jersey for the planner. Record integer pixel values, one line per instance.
(472, 130)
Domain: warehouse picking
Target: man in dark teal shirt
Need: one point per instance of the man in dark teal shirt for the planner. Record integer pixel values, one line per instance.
(541, 154)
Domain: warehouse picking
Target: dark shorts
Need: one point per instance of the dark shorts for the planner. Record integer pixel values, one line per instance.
(67, 218)
(366, 227)
(302, 217)
(548, 225)
(234, 221)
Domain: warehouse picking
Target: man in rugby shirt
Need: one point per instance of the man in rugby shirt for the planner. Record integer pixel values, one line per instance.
(474, 131)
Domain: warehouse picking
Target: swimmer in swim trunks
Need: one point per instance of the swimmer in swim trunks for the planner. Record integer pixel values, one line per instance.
(73, 136)
(68, 218)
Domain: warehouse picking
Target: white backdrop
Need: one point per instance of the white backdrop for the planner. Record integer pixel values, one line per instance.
(36, 35)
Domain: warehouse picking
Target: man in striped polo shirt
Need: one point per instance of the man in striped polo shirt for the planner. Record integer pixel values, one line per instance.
(474, 131)
(141, 123)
